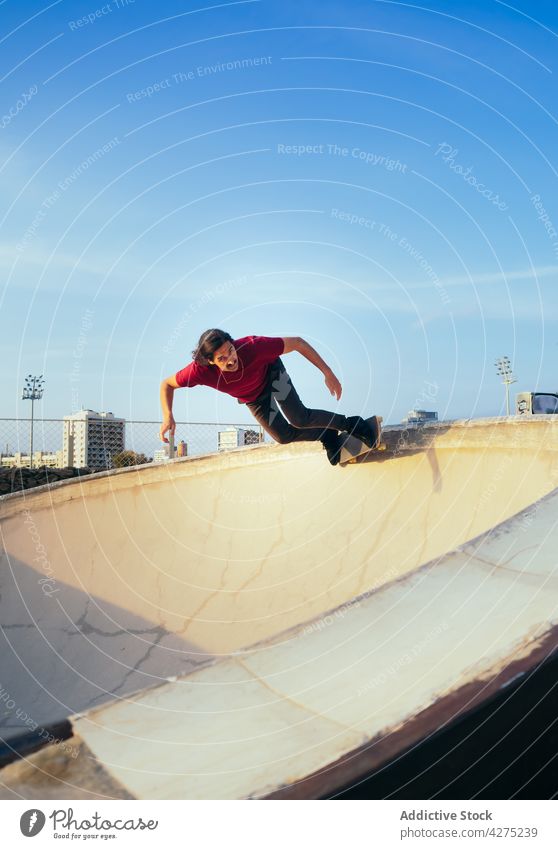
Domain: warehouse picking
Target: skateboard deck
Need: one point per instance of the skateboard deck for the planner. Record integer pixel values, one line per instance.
(352, 448)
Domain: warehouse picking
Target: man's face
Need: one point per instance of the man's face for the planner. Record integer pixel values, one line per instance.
(225, 357)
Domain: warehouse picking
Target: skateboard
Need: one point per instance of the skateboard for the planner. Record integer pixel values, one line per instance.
(353, 448)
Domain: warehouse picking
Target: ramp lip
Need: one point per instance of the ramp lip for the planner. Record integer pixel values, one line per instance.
(237, 457)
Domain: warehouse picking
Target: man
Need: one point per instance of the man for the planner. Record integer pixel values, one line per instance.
(251, 370)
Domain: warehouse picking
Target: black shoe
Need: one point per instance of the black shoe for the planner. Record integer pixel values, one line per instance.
(363, 430)
(332, 444)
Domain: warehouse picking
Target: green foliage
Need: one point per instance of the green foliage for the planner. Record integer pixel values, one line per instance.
(129, 458)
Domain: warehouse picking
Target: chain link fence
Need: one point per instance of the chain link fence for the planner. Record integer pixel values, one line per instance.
(140, 437)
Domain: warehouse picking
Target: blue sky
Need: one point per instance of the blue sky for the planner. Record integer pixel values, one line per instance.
(377, 177)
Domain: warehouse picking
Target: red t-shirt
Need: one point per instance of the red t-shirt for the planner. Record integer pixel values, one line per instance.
(255, 353)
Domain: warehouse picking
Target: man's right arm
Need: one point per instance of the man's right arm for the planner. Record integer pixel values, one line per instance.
(168, 385)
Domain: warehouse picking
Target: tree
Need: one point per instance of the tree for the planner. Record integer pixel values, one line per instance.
(129, 458)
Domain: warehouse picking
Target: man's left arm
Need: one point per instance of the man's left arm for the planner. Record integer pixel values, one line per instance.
(297, 343)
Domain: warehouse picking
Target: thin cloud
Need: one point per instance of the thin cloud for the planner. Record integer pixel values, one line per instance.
(502, 276)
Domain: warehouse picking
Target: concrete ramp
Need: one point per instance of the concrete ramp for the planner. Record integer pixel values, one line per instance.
(263, 574)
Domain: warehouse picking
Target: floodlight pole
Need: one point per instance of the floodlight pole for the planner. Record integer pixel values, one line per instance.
(503, 367)
(32, 391)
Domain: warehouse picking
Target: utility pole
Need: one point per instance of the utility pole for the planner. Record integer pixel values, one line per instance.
(32, 391)
(503, 367)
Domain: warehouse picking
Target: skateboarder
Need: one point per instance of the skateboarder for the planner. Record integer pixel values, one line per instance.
(251, 370)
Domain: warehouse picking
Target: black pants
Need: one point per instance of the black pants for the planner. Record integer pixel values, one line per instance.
(303, 424)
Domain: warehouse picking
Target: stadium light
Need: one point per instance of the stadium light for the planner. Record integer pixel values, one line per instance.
(504, 369)
(33, 391)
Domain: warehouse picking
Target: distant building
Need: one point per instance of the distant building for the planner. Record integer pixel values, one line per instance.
(536, 403)
(52, 459)
(235, 437)
(420, 417)
(92, 439)
(161, 454)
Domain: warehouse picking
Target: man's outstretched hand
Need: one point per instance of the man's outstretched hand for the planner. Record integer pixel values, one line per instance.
(333, 385)
(169, 425)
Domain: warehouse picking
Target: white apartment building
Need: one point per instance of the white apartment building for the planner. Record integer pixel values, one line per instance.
(420, 417)
(234, 437)
(52, 459)
(92, 439)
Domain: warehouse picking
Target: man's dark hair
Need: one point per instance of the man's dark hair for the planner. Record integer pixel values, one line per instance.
(208, 343)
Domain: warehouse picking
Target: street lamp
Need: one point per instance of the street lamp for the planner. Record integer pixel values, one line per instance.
(32, 391)
(503, 367)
